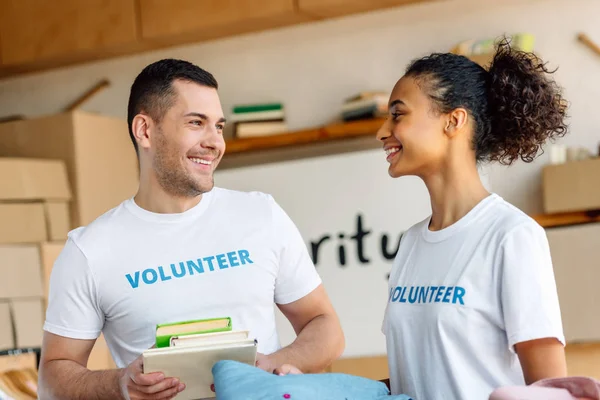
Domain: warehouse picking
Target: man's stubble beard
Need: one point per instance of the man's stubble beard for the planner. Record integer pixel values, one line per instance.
(172, 177)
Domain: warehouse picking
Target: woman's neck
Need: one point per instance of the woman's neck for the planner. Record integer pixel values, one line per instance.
(454, 191)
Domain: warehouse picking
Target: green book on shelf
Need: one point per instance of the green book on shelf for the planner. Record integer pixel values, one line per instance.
(252, 108)
(165, 333)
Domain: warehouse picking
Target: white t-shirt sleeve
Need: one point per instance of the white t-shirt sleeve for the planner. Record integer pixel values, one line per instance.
(73, 308)
(529, 297)
(297, 275)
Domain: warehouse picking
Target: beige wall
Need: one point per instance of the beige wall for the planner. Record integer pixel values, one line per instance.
(311, 68)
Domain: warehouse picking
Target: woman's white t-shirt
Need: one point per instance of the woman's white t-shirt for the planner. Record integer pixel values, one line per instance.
(462, 297)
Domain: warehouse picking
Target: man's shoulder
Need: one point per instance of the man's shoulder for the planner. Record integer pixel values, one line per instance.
(100, 229)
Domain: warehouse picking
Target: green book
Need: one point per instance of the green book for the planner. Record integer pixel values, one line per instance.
(250, 108)
(166, 332)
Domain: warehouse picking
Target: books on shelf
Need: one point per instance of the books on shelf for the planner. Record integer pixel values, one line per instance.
(254, 120)
(188, 350)
(365, 105)
(482, 51)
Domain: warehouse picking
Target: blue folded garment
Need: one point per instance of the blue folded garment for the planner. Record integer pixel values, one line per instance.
(238, 381)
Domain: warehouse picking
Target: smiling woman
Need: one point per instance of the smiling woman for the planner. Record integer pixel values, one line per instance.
(498, 316)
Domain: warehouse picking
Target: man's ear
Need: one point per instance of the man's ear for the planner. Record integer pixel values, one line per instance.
(142, 126)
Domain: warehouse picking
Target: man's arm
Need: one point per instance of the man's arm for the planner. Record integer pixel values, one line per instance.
(320, 339)
(541, 359)
(63, 375)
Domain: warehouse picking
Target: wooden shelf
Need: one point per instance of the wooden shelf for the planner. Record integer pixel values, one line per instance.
(565, 219)
(328, 133)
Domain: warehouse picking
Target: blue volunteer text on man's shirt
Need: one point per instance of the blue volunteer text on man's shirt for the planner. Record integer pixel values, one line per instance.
(427, 294)
(150, 276)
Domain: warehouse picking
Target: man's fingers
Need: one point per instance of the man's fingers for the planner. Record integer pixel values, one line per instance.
(159, 387)
(287, 369)
(141, 379)
(169, 393)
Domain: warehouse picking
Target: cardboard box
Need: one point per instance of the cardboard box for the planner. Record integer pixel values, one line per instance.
(33, 179)
(28, 320)
(58, 220)
(6, 332)
(575, 257)
(49, 252)
(374, 367)
(20, 270)
(22, 223)
(100, 159)
(573, 186)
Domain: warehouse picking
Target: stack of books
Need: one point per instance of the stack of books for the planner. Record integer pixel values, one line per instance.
(482, 51)
(188, 350)
(254, 120)
(365, 105)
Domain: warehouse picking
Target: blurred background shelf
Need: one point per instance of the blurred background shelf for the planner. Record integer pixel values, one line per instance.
(326, 140)
(567, 218)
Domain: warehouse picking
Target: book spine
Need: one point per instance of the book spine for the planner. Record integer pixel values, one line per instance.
(262, 115)
(257, 108)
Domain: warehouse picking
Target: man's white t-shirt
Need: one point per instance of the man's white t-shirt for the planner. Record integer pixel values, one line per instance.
(234, 255)
(462, 297)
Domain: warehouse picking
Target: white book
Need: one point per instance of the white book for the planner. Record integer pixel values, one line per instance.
(192, 364)
(257, 116)
(202, 339)
(255, 129)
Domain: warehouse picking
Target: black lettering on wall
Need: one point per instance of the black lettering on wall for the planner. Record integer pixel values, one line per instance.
(314, 246)
(359, 236)
(342, 251)
(389, 255)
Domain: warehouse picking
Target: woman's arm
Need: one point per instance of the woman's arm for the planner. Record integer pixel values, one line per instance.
(541, 359)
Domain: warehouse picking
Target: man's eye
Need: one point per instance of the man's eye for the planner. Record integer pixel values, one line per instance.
(196, 122)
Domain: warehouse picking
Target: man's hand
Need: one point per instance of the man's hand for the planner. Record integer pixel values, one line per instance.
(134, 384)
(268, 364)
(287, 369)
(265, 362)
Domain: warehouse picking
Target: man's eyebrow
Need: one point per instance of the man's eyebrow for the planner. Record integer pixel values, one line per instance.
(203, 116)
(195, 114)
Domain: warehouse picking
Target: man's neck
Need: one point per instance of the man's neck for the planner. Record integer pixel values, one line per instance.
(163, 203)
(152, 197)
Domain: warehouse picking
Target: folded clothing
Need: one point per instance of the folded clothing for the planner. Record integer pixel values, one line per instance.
(569, 388)
(238, 381)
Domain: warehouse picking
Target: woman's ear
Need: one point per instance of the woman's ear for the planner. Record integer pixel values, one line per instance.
(457, 121)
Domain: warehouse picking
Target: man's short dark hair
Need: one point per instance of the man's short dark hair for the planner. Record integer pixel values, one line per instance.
(152, 91)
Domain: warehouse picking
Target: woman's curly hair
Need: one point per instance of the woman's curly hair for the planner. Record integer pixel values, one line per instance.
(515, 105)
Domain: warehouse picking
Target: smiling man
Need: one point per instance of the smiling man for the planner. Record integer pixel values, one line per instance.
(180, 249)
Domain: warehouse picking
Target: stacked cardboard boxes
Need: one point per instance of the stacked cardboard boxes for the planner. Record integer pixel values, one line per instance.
(102, 171)
(34, 223)
(572, 186)
(101, 163)
(34, 200)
